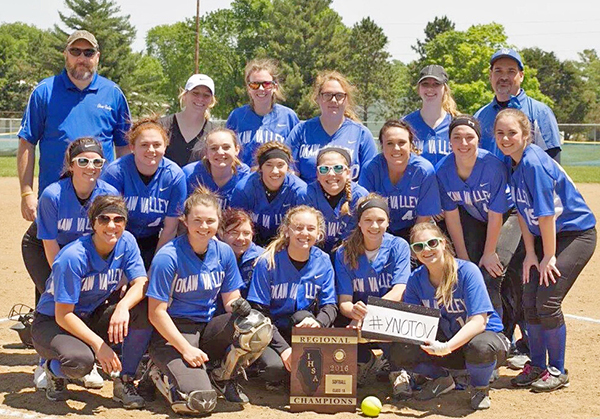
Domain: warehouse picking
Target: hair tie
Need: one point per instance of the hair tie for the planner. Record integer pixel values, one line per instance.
(274, 153)
(376, 202)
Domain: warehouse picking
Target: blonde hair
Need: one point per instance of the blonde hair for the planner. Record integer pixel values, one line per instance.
(272, 68)
(202, 196)
(521, 119)
(443, 293)
(282, 239)
(347, 87)
(203, 145)
(345, 210)
(212, 104)
(448, 102)
(355, 243)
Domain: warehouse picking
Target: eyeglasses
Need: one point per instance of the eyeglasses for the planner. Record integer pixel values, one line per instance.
(338, 169)
(418, 247)
(76, 52)
(84, 162)
(104, 219)
(327, 96)
(267, 85)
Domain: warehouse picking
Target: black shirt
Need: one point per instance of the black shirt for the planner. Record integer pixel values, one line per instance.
(179, 150)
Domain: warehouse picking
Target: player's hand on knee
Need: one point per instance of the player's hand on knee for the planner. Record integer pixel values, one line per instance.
(436, 347)
(108, 359)
(119, 325)
(491, 263)
(530, 261)
(195, 357)
(286, 357)
(548, 270)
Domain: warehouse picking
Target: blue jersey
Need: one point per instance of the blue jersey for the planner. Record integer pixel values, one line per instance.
(415, 194)
(285, 290)
(250, 195)
(469, 297)
(58, 113)
(61, 216)
(197, 174)
(434, 143)
(246, 266)
(540, 187)
(148, 205)
(337, 226)
(254, 130)
(390, 267)
(80, 276)
(544, 128)
(485, 189)
(308, 137)
(189, 284)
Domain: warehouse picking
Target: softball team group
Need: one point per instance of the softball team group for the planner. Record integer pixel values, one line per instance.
(180, 250)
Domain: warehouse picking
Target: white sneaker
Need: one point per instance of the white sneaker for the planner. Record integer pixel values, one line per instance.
(93, 379)
(39, 378)
(401, 384)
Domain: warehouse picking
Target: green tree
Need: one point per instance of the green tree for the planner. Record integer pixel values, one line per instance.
(590, 67)
(146, 83)
(433, 29)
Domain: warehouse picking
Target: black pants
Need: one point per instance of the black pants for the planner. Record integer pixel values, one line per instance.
(147, 247)
(35, 260)
(213, 338)
(543, 304)
(77, 358)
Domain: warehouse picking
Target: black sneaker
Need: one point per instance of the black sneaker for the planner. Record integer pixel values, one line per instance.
(480, 398)
(56, 387)
(435, 388)
(124, 391)
(528, 376)
(231, 390)
(146, 388)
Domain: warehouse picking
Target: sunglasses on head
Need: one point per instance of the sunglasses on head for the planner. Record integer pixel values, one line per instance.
(337, 169)
(84, 162)
(418, 247)
(88, 52)
(267, 85)
(105, 219)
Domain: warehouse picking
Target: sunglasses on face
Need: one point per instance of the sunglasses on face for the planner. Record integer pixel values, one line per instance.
(104, 219)
(418, 247)
(84, 162)
(338, 169)
(267, 85)
(76, 52)
(327, 97)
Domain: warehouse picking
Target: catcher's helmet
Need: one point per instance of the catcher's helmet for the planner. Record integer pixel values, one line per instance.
(23, 315)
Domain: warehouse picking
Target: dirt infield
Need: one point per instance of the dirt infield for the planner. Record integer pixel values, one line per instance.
(20, 400)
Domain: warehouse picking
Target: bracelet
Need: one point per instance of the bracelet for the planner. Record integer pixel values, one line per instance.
(24, 194)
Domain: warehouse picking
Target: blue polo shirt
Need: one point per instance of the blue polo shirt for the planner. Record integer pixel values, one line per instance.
(544, 128)
(58, 113)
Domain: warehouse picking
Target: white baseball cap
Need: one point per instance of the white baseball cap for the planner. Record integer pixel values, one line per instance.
(200, 80)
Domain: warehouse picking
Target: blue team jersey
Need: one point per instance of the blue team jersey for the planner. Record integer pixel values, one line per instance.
(80, 276)
(308, 137)
(544, 128)
(337, 226)
(58, 113)
(61, 216)
(415, 194)
(250, 195)
(485, 189)
(246, 266)
(285, 290)
(390, 267)
(434, 143)
(148, 205)
(540, 187)
(254, 130)
(189, 284)
(469, 297)
(197, 174)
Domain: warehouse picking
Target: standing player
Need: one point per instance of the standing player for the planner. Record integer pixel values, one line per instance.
(263, 120)
(81, 313)
(430, 123)
(152, 185)
(188, 275)
(559, 228)
(406, 180)
(469, 328)
(219, 169)
(271, 191)
(293, 284)
(334, 194)
(337, 125)
(192, 123)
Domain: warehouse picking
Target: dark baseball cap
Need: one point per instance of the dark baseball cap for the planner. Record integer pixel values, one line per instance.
(434, 71)
(82, 35)
(507, 53)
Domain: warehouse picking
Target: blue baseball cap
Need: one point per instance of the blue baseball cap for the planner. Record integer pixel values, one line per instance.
(507, 53)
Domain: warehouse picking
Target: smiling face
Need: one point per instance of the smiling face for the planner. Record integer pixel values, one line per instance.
(273, 173)
(333, 107)
(221, 149)
(464, 140)
(332, 182)
(430, 257)
(373, 224)
(148, 150)
(396, 147)
(202, 223)
(108, 228)
(261, 97)
(239, 237)
(198, 99)
(510, 137)
(81, 68)
(505, 78)
(431, 91)
(303, 232)
(88, 174)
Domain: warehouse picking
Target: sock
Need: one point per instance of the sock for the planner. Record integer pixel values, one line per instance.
(56, 369)
(556, 342)
(537, 345)
(481, 373)
(430, 370)
(133, 349)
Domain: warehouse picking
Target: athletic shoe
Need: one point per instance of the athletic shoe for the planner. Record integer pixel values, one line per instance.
(274, 386)
(401, 384)
(480, 399)
(93, 379)
(56, 387)
(230, 389)
(369, 369)
(551, 379)
(146, 387)
(517, 361)
(124, 392)
(495, 375)
(526, 377)
(202, 401)
(39, 378)
(435, 388)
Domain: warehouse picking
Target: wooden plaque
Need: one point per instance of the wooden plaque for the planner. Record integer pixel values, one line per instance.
(323, 370)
